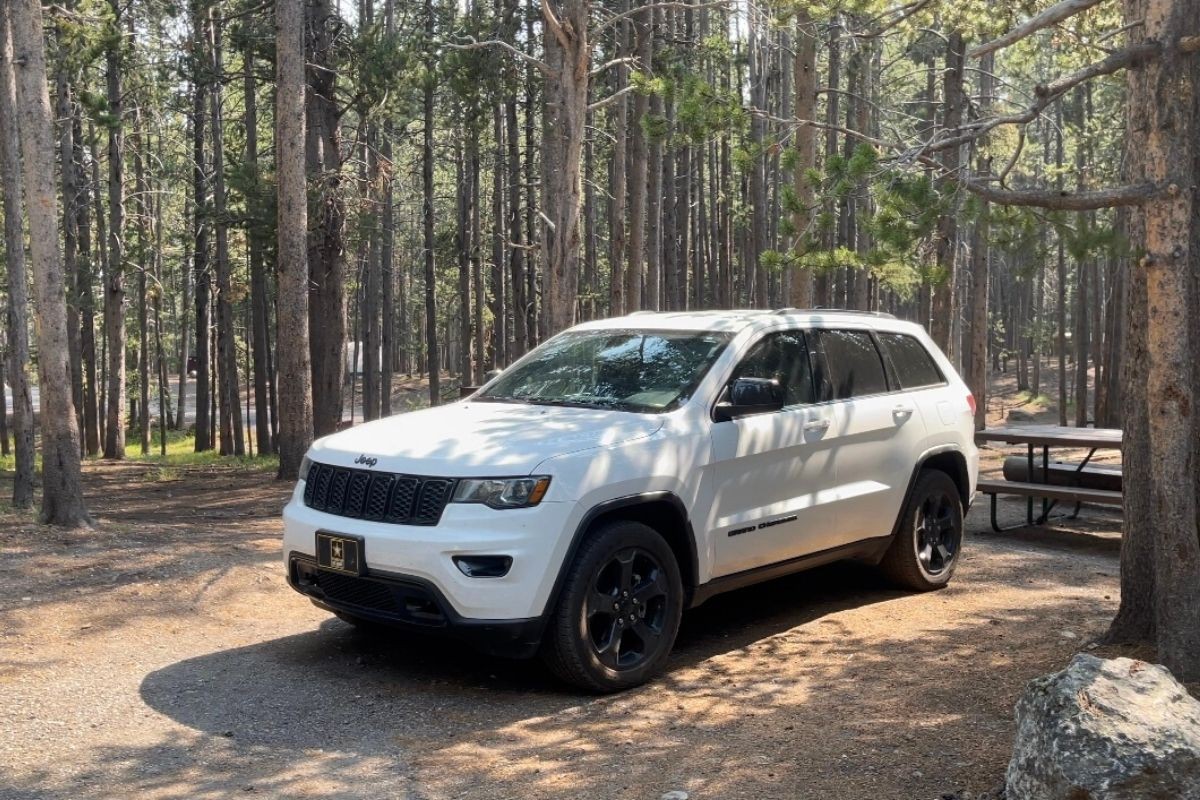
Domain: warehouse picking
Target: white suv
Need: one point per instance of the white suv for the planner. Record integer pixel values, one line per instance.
(630, 468)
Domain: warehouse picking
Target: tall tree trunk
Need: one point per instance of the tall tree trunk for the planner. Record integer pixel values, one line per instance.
(62, 490)
(233, 441)
(567, 55)
(102, 252)
(87, 299)
(976, 358)
(141, 207)
(326, 251)
(639, 169)
(387, 245)
(618, 172)
(944, 292)
(1160, 562)
(295, 387)
(433, 357)
(755, 272)
(259, 300)
(804, 76)
(17, 318)
(114, 282)
(202, 279)
(1060, 299)
(70, 219)
(477, 264)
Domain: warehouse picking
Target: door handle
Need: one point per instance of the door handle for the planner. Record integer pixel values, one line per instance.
(817, 425)
(902, 410)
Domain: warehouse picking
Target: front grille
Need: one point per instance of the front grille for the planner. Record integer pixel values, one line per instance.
(392, 599)
(376, 496)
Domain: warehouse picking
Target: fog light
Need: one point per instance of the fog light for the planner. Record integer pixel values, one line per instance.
(483, 566)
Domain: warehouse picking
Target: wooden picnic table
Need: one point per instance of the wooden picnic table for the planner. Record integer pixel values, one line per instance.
(1048, 437)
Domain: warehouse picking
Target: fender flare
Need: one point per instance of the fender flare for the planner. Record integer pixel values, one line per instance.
(616, 504)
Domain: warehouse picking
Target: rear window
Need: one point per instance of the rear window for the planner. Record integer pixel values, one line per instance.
(914, 366)
(849, 364)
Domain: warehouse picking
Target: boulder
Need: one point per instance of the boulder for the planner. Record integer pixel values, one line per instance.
(1101, 729)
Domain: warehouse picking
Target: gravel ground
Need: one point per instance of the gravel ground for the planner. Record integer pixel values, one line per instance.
(163, 656)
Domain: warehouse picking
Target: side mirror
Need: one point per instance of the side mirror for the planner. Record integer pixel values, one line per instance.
(491, 373)
(750, 396)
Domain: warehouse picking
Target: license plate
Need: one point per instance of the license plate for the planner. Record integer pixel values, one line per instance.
(340, 553)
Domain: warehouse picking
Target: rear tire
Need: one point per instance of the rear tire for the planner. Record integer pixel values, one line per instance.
(925, 552)
(619, 610)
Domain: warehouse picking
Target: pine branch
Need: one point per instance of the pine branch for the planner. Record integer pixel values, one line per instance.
(475, 44)
(1064, 199)
(1051, 16)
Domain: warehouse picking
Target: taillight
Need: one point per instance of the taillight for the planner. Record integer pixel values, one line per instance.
(971, 403)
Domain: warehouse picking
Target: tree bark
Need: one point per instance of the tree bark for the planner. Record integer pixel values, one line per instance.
(259, 300)
(326, 251)
(433, 356)
(202, 279)
(639, 153)
(87, 300)
(567, 54)
(943, 309)
(18, 278)
(976, 360)
(62, 490)
(1160, 559)
(233, 441)
(804, 70)
(114, 282)
(295, 388)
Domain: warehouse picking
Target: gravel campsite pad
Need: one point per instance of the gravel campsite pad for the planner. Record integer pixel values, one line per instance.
(163, 656)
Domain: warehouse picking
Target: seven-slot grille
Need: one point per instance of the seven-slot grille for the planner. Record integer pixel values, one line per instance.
(376, 496)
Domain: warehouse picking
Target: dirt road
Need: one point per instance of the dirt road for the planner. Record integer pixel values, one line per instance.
(163, 656)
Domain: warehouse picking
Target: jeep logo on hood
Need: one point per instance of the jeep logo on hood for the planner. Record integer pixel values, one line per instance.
(368, 460)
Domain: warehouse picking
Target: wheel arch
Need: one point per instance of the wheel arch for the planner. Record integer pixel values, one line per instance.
(953, 462)
(663, 511)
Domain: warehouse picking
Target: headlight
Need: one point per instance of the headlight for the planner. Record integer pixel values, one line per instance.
(502, 492)
(305, 463)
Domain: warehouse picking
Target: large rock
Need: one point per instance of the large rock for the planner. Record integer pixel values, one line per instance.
(1106, 730)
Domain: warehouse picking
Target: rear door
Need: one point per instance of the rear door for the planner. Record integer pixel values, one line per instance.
(774, 475)
(878, 432)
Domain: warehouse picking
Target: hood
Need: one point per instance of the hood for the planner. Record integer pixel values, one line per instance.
(480, 439)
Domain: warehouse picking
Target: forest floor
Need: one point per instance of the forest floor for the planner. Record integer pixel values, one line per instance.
(162, 655)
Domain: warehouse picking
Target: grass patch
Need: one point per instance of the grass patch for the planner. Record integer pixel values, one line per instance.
(1027, 398)
(181, 454)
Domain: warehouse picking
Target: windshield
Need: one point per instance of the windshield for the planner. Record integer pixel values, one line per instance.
(642, 371)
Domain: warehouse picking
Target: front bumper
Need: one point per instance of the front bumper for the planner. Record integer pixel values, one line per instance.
(536, 539)
(411, 603)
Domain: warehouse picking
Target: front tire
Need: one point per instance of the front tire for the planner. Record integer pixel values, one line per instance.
(925, 552)
(619, 610)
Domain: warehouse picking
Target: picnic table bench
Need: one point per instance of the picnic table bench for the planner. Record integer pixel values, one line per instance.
(1048, 437)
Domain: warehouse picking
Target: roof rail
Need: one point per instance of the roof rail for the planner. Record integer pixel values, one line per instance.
(880, 314)
(641, 312)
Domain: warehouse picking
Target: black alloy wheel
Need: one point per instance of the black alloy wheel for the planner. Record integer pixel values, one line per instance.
(627, 608)
(929, 537)
(618, 612)
(938, 535)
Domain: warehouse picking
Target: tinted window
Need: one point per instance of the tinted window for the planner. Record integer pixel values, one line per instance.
(850, 365)
(782, 357)
(914, 366)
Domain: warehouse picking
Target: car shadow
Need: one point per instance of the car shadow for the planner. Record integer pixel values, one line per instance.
(320, 684)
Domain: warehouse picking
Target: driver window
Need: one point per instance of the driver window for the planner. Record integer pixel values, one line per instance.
(782, 357)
